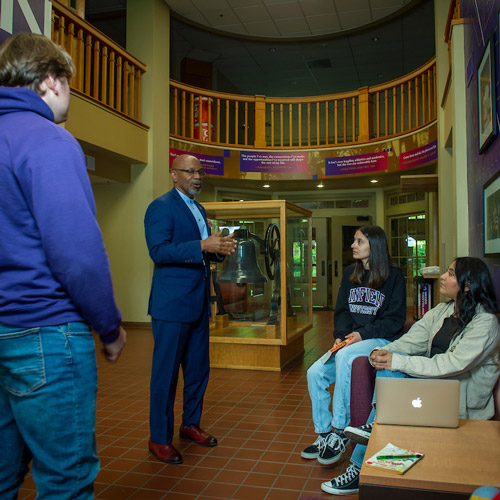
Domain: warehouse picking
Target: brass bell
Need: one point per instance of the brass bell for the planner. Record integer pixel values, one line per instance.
(241, 266)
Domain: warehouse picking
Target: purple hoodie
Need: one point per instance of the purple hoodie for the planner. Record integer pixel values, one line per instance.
(53, 265)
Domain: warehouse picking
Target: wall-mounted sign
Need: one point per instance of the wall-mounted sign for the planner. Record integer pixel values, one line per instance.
(213, 165)
(357, 164)
(419, 156)
(273, 162)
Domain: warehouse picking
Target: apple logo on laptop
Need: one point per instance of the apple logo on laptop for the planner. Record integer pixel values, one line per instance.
(417, 403)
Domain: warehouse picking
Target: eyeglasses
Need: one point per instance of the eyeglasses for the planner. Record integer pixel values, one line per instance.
(191, 171)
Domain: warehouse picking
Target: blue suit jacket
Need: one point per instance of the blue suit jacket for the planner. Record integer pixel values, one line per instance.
(181, 279)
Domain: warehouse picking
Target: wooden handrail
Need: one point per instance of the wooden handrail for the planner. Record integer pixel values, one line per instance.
(105, 72)
(371, 113)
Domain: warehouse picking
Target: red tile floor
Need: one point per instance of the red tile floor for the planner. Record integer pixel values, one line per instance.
(262, 421)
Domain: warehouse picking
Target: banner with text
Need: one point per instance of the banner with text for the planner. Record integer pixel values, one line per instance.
(358, 164)
(213, 165)
(419, 156)
(272, 162)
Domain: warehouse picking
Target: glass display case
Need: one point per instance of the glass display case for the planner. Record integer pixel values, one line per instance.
(262, 294)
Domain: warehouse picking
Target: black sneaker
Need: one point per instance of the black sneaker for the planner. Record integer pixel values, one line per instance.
(360, 435)
(333, 449)
(313, 451)
(345, 484)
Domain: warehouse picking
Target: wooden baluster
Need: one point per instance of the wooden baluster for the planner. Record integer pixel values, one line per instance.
(402, 90)
(327, 118)
(104, 75)
(176, 111)
(308, 123)
(317, 124)
(95, 85)
(417, 102)
(125, 94)
(246, 123)
(378, 115)
(79, 61)
(138, 76)
(300, 124)
(344, 115)
(236, 121)
(191, 115)
(272, 125)
(88, 64)
(394, 111)
(112, 69)
(429, 98)
(217, 125)
(54, 20)
(61, 29)
(281, 124)
(183, 114)
(424, 99)
(131, 92)
(70, 38)
(354, 119)
(365, 115)
(336, 123)
(290, 124)
(386, 127)
(410, 104)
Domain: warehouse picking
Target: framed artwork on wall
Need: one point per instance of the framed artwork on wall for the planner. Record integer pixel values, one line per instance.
(486, 95)
(491, 191)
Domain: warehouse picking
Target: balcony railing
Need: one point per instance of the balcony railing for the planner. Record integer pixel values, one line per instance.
(367, 114)
(105, 72)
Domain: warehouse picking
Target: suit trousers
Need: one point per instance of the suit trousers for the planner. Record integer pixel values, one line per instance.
(177, 345)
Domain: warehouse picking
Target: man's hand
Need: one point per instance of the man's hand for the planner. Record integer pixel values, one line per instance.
(216, 243)
(112, 351)
(381, 359)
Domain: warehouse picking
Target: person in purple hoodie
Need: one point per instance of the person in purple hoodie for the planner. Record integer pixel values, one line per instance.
(55, 281)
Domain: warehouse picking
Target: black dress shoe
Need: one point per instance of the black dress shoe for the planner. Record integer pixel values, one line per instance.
(194, 433)
(165, 453)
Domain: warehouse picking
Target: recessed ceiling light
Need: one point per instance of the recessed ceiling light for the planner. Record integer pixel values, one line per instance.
(375, 39)
(320, 185)
(266, 186)
(374, 181)
(272, 49)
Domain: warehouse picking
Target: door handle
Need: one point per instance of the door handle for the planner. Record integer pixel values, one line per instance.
(336, 268)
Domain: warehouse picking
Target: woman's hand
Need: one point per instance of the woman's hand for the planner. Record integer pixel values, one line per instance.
(356, 337)
(381, 359)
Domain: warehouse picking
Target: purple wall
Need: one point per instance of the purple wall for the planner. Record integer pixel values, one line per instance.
(481, 167)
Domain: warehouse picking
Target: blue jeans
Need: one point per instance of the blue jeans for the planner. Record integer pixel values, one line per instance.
(359, 451)
(337, 369)
(48, 386)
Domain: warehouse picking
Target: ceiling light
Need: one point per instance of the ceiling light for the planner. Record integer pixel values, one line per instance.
(375, 39)
(320, 185)
(266, 186)
(272, 49)
(374, 181)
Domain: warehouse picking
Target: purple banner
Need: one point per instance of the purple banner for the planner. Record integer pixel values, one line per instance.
(358, 164)
(260, 161)
(32, 16)
(213, 165)
(419, 156)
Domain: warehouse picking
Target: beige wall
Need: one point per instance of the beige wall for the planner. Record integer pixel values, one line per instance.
(121, 207)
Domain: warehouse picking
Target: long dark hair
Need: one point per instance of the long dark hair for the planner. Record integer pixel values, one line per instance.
(380, 261)
(472, 273)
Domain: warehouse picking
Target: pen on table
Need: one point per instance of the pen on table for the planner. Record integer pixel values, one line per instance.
(397, 457)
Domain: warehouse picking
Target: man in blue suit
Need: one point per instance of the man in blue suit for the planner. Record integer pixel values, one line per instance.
(180, 245)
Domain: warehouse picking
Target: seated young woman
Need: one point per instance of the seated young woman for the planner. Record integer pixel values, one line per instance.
(455, 340)
(371, 310)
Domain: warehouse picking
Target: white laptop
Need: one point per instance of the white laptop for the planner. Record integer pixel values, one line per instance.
(417, 401)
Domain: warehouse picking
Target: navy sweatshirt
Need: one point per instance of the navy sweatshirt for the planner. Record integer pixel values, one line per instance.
(374, 313)
(53, 265)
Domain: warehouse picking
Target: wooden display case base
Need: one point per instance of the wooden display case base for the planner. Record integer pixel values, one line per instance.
(271, 357)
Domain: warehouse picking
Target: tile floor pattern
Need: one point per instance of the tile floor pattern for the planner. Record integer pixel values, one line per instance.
(262, 421)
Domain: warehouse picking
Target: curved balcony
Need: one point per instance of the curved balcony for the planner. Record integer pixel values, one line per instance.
(368, 114)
